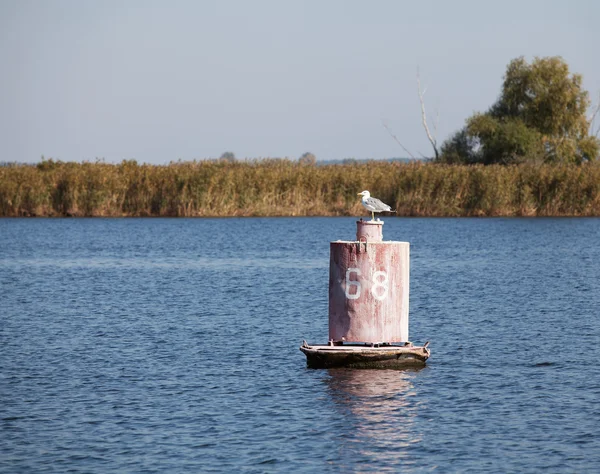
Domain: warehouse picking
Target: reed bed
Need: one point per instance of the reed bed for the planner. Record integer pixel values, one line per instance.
(274, 187)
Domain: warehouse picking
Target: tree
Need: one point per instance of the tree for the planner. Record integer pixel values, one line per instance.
(228, 156)
(308, 159)
(540, 116)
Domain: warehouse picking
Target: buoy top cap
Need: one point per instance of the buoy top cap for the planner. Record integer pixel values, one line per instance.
(376, 222)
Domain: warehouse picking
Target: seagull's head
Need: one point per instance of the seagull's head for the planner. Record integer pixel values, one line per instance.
(365, 194)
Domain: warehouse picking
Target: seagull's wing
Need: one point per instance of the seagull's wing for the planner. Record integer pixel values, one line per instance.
(377, 205)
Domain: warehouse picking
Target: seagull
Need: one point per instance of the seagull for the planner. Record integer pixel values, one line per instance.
(373, 204)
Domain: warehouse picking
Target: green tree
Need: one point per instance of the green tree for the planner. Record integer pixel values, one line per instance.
(540, 116)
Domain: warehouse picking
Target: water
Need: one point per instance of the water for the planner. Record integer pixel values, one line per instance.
(171, 345)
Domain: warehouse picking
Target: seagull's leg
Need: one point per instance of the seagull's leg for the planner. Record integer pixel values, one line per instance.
(372, 215)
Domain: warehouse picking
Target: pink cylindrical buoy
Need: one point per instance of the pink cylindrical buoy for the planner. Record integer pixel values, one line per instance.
(369, 231)
(369, 288)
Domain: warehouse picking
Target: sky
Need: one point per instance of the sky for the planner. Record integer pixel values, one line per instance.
(161, 81)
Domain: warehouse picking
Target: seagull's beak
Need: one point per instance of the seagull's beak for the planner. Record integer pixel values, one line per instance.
(359, 194)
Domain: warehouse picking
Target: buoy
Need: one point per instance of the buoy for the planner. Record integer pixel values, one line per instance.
(369, 288)
(368, 304)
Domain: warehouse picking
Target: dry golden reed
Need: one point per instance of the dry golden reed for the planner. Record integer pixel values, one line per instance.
(275, 187)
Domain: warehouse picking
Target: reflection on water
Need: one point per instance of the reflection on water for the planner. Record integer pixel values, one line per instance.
(381, 407)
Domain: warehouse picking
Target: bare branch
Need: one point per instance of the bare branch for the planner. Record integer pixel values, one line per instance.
(431, 138)
(396, 139)
(436, 122)
(592, 118)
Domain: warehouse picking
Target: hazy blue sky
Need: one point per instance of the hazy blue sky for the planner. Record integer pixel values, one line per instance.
(158, 81)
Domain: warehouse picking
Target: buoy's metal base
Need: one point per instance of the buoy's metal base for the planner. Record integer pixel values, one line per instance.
(365, 356)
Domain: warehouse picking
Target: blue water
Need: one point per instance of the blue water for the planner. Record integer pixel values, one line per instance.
(171, 345)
